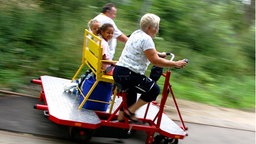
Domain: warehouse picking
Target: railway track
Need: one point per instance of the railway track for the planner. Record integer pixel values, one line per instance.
(14, 137)
(10, 93)
(46, 132)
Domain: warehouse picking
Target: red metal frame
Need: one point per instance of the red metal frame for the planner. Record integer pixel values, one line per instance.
(168, 88)
(107, 119)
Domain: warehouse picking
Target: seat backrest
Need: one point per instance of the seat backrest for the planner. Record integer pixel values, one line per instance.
(92, 57)
(92, 53)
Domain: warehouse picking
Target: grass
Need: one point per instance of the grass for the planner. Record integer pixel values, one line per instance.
(235, 93)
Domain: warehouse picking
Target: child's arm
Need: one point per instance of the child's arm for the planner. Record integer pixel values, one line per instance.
(106, 61)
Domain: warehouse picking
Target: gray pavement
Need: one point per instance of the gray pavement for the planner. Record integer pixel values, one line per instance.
(211, 115)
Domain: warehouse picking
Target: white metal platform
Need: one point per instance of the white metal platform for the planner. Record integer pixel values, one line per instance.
(64, 106)
(167, 125)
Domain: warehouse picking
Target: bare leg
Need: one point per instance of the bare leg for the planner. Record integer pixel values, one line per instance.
(120, 116)
(130, 112)
(137, 105)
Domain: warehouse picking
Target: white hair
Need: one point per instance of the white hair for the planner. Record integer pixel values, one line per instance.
(149, 19)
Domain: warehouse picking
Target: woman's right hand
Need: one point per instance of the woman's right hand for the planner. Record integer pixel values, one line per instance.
(180, 63)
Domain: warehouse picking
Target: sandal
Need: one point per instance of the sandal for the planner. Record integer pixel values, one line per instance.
(131, 116)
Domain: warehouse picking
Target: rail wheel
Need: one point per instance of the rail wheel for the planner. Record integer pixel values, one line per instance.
(80, 135)
(160, 139)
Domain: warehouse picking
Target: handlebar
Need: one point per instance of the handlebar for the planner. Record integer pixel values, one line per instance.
(173, 56)
(156, 72)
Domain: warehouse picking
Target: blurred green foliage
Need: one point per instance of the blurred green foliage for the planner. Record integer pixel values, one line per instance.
(46, 38)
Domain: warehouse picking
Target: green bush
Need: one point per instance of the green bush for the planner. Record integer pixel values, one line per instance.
(46, 38)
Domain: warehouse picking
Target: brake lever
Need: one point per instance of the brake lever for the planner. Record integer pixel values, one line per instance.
(186, 60)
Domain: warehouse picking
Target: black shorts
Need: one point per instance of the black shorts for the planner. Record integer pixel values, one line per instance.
(135, 82)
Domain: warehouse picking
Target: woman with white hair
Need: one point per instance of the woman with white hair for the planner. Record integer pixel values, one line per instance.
(138, 53)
